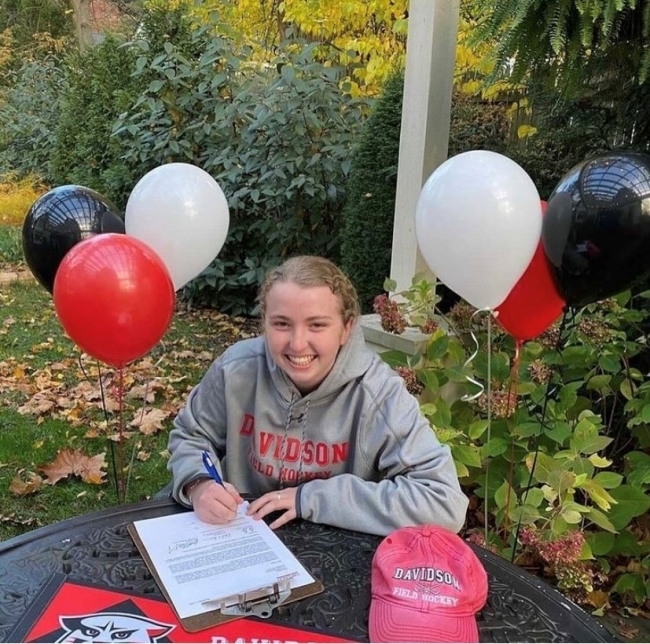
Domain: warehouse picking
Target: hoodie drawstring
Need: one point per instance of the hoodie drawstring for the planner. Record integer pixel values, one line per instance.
(302, 420)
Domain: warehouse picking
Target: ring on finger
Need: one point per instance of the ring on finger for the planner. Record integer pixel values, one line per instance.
(278, 496)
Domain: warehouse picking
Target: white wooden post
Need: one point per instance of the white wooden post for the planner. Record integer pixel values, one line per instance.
(426, 108)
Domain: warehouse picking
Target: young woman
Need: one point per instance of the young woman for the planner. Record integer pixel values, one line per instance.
(311, 422)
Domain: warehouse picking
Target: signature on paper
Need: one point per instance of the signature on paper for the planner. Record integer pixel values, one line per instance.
(182, 546)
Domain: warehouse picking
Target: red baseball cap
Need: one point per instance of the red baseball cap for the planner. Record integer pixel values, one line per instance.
(427, 586)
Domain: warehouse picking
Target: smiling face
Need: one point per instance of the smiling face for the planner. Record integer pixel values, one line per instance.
(304, 331)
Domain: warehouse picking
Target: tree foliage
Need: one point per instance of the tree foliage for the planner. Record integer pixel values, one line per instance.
(583, 69)
(29, 111)
(99, 88)
(366, 37)
(475, 60)
(582, 43)
(367, 224)
(276, 138)
(24, 18)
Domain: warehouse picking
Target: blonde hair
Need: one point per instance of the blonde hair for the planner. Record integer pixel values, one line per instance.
(310, 270)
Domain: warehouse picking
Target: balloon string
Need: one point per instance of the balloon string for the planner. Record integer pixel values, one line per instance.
(470, 397)
(547, 395)
(489, 421)
(120, 442)
(513, 386)
(511, 403)
(135, 443)
(111, 444)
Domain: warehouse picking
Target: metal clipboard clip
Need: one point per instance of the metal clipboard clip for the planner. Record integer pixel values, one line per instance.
(260, 602)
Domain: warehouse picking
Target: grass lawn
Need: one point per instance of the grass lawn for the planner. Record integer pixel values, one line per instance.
(59, 411)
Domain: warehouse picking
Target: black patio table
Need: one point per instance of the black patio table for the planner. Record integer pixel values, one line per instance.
(97, 548)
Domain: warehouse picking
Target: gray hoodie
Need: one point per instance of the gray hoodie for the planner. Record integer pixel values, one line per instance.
(364, 457)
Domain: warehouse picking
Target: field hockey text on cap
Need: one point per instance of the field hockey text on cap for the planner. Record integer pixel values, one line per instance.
(427, 586)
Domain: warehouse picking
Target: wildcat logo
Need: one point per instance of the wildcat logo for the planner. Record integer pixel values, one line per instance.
(112, 627)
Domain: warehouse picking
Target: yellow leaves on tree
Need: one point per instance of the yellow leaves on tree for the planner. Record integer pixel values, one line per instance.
(73, 462)
(368, 37)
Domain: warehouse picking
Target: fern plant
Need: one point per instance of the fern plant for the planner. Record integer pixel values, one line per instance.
(552, 36)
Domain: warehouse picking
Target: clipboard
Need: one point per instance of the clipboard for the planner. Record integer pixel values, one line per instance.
(258, 603)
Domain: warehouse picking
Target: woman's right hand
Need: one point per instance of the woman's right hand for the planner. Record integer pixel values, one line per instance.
(214, 503)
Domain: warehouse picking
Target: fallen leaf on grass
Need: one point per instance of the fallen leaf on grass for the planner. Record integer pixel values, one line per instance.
(61, 365)
(18, 487)
(150, 421)
(74, 462)
(144, 391)
(43, 346)
(12, 519)
(183, 355)
(86, 390)
(119, 437)
(143, 456)
(45, 381)
(37, 405)
(74, 415)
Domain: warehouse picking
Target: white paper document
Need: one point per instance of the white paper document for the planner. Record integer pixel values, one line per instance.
(200, 564)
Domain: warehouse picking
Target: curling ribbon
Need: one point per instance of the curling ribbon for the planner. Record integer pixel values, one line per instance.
(470, 397)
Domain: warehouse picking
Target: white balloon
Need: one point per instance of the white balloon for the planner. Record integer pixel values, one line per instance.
(478, 222)
(180, 211)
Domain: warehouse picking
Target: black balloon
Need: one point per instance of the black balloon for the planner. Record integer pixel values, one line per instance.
(596, 232)
(60, 219)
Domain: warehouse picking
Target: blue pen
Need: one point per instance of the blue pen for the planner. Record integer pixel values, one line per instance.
(211, 469)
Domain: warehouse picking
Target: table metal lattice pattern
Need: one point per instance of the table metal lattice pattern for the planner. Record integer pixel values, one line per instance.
(97, 549)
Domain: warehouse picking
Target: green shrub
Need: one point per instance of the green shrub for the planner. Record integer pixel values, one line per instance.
(477, 125)
(99, 88)
(553, 450)
(11, 249)
(103, 86)
(32, 20)
(29, 113)
(367, 224)
(277, 140)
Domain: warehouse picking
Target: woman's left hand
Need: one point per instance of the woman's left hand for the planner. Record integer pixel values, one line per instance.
(275, 502)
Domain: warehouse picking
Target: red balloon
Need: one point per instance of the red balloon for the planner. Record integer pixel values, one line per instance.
(114, 297)
(534, 302)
